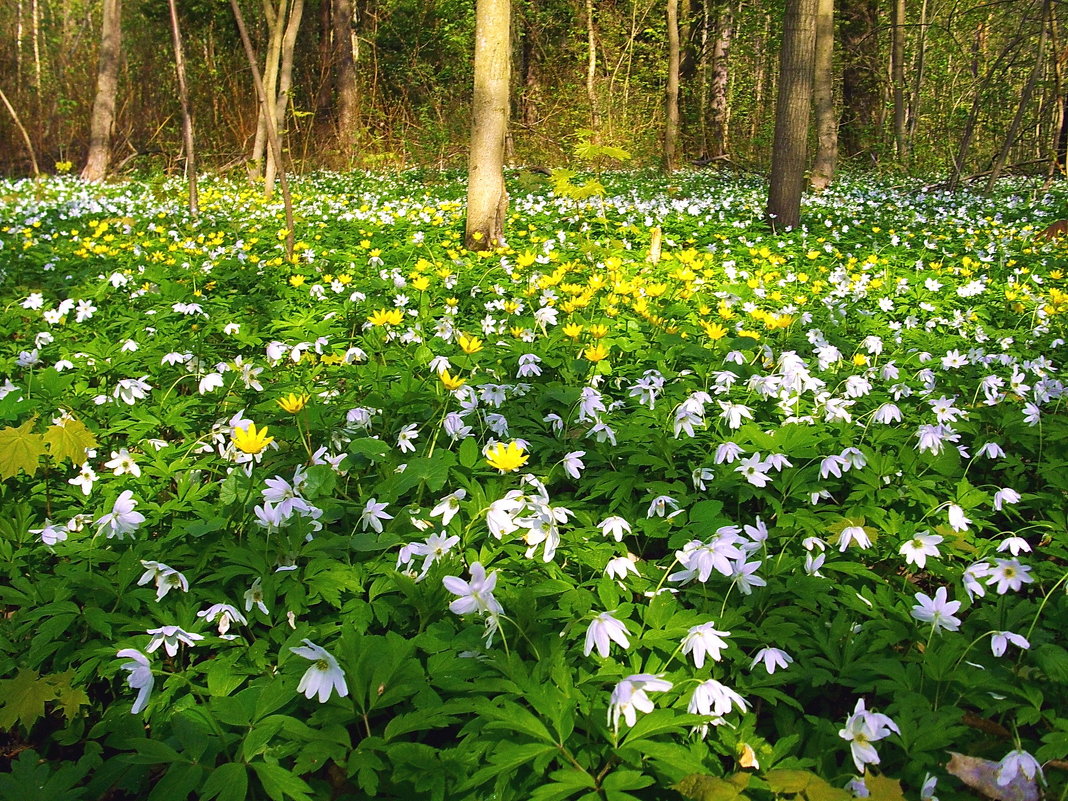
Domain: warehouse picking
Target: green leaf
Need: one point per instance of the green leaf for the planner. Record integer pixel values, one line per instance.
(469, 453)
(701, 787)
(70, 440)
(883, 788)
(1053, 659)
(228, 782)
(23, 698)
(20, 449)
(373, 449)
(280, 783)
(145, 751)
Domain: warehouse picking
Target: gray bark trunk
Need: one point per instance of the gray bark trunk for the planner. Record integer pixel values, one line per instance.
(823, 99)
(487, 198)
(792, 114)
(107, 87)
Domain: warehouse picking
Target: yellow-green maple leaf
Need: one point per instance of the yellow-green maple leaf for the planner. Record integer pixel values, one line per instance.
(20, 449)
(69, 441)
(23, 698)
(883, 788)
(68, 697)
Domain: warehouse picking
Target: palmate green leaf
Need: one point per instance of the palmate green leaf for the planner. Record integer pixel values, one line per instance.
(280, 783)
(20, 449)
(70, 441)
(34, 779)
(883, 788)
(659, 721)
(23, 698)
(228, 782)
(510, 716)
(505, 760)
(702, 787)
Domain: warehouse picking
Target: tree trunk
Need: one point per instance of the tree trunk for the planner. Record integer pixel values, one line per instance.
(792, 114)
(719, 105)
(275, 15)
(272, 132)
(187, 116)
(703, 68)
(1025, 100)
(528, 76)
(823, 98)
(917, 80)
(285, 81)
(897, 79)
(487, 198)
(591, 72)
(348, 96)
(860, 78)
(760, 78)
(107, 87)
(671, 91)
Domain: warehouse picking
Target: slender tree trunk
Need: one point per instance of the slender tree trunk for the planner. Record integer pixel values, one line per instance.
(823, 99)
(917, 80)
(272, 133)
(671, 91)
(861, 97)
(324, 94)
(107, 87)
(897, 79)
(1025, 101)
(957, 168)
(760, 79)
(528, 76)
(22, 130)
(719, 105)
(792, 114)
(487, 198)
(18, 47)
(187, 116)
(348, 96)
(275, 15)
(591, 71)
(35, 13)
(703, 70)
(285, 81)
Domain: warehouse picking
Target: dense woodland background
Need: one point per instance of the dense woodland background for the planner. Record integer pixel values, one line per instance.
(923, 86)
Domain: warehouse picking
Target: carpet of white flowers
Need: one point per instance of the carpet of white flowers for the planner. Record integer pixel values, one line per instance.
(651, 503)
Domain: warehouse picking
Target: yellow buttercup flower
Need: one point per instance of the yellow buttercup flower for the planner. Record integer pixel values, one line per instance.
(598, 331)
(451, 382)
(421, 283)
(386, 317)
(572, 330)
(249, 440)
(714, 331)
(293, 403)
(468, 344)
(859, 359)
(506, 458)
(596, 353)
(297, 280)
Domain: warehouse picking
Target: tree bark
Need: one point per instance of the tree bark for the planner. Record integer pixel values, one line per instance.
(275, 15)
(671, 91)
(285, 81)
(897, 79)
(823, 99)
(792, 114)
(860, 78)
(107, 87)
(348, 95)
(1025, 100)
(272, 133)
(487, 198)
(917, 80)
(187, 116)
(719, 104)
(591, 72)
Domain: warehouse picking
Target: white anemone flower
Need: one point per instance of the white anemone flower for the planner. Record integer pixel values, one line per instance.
(324, 676)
